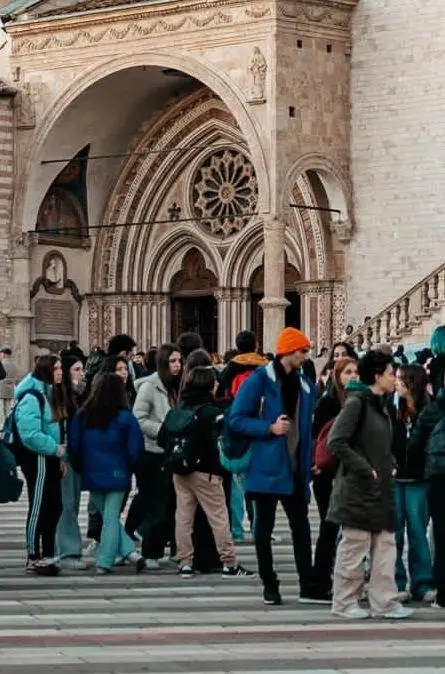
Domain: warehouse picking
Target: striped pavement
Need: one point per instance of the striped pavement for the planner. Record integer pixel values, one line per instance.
(159, 623)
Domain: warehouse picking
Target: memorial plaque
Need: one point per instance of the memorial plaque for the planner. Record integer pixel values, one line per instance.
(54, 317)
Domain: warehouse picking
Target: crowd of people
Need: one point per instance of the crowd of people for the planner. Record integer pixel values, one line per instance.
(365, 435)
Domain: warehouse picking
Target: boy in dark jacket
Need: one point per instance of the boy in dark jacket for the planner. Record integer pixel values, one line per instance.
(363, 497)
(274, 407)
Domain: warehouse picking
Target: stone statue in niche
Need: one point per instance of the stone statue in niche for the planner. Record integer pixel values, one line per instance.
(54, 273)
(258, 69)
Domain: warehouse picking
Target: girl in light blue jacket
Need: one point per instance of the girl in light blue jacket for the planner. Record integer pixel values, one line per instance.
(39, 418)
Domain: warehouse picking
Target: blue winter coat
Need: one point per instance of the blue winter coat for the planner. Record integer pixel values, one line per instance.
(39, 436)
(270, 469)
(106, 459)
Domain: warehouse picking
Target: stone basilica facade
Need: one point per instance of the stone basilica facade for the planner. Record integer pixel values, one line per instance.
(172, 165)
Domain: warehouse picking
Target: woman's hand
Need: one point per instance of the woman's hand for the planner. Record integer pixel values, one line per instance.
(64, 468)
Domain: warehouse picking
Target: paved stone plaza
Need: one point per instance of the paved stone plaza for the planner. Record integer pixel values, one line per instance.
(83, 624)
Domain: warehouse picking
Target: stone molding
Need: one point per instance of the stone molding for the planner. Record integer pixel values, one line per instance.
(130, 24)
(314, 288)
(330, 14)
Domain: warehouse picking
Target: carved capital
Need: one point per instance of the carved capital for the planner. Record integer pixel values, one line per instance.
(342, 229)
(24, 244)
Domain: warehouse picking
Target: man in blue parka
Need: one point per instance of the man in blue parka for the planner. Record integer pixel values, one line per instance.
(274, 407)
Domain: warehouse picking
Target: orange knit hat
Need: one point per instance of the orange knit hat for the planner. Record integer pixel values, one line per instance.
(291, 340)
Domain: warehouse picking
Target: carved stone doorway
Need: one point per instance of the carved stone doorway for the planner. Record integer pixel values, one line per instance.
(194, 306)
(293, 311)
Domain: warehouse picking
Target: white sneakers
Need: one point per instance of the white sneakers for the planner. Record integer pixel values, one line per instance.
(356, 613)
(403, 596)
(353, 613)
(73, 563)
(398, 613)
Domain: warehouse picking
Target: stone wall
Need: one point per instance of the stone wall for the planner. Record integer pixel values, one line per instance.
(398, 137)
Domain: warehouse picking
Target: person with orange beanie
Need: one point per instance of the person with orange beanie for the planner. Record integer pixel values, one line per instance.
(274, 408)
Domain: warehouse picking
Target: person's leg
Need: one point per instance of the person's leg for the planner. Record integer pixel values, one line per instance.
(237, 508)
(135, 516)
(68, 537)
(51, 507)
(296, 509)
(348, 570)
(153, 490)
(185, 515)
(94, 522)
(265, 511)
(437, 509)
(210, 494)
(327, 537)
(34, 470)
(382, 589)
(400, 500)
(109, 505)
(419, 556)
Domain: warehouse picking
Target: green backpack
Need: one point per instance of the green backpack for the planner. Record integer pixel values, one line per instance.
(11, 485)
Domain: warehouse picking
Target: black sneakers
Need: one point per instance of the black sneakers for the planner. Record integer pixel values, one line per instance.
(236, 572)
(272, 597)
(186, 571)
(315, 597)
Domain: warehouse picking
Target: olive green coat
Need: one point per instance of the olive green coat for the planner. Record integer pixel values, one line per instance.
(361, 439)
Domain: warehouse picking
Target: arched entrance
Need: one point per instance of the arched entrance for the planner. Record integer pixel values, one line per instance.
(194, 306)
(293, 310)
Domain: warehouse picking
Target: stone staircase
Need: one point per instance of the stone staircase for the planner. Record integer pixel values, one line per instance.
(409, 320)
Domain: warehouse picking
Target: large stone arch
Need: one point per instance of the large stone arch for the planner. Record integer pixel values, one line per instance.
(317, 181)
(213, 78)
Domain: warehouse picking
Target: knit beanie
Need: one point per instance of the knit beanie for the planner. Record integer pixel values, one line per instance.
(291, 340)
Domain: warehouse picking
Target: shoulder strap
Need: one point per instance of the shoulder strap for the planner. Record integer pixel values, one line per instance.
(36, 394)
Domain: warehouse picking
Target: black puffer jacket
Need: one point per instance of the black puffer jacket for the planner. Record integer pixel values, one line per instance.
(422, 444)
(410, 461)
(361, 439)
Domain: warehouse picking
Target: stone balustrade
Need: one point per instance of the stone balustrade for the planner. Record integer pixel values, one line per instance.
(400, 318)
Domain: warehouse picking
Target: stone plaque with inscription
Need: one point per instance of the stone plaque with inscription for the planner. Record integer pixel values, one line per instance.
(54, 317)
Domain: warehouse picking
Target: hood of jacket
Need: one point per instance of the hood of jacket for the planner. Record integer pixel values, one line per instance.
(153, 379)
(31, 383)
(249, 360)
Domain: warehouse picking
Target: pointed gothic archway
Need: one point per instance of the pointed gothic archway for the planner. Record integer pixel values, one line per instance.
(193, 303)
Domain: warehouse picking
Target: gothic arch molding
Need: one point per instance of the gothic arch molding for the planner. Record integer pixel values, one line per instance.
(246, 254)
(335, 180)
(229, 93)
(121, 253)
(166, 259)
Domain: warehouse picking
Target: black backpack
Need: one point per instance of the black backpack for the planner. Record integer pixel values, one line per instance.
(179, 437)
(94, 365)
(10, 436)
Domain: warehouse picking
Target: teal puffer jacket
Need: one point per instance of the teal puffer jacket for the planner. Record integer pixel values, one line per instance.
(39, 436)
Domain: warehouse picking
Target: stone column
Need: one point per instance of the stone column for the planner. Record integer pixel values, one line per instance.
(160, 323)
(274, 302)
(316, 311)
(20, 314)
(223, 297)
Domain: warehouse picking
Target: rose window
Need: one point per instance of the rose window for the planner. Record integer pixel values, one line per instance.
(225, 192)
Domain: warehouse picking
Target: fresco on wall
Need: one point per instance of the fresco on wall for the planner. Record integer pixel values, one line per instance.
(64, 210)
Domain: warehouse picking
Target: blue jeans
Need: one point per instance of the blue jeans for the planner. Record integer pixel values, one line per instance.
(68, 536)
(237, 507)
(114, 540)
(412, 511)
